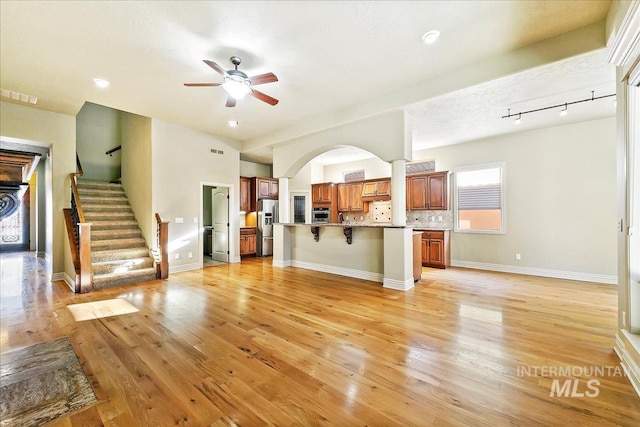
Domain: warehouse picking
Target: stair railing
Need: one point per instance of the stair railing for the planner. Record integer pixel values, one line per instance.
(161, 254)
(82, 235)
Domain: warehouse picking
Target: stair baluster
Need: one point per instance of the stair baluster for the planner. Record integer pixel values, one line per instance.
(82, 234)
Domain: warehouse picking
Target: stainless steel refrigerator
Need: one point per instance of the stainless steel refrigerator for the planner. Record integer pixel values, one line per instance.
(267, 216)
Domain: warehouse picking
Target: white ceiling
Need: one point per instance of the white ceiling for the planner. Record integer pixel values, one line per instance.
(327, 55)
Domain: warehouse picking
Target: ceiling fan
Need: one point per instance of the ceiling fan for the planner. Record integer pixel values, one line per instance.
(237, 84)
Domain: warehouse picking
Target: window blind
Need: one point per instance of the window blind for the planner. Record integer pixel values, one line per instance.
(482, 197)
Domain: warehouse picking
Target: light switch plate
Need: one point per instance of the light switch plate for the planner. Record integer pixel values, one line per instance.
(179, 220)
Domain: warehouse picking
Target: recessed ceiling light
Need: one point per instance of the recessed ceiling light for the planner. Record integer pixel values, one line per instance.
(101, 82)
(233, 123)
(431, 36)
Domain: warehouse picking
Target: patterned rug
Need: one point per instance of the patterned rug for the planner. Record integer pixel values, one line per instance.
(41, 383)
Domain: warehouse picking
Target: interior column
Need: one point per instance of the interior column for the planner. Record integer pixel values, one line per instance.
(398, 193)
(283, 200)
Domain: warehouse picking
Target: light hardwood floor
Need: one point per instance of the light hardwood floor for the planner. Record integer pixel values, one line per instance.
(254, 345)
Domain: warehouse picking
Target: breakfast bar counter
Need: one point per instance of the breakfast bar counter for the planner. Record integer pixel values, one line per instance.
(376, 252)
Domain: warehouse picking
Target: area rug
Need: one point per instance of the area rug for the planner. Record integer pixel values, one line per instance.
(41, 383)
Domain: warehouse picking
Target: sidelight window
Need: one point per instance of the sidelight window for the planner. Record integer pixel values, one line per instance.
(479, 198)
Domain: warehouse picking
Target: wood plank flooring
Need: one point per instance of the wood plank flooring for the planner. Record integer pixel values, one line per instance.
(250, 345)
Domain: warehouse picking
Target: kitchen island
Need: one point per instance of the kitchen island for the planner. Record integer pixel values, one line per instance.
(376, 252)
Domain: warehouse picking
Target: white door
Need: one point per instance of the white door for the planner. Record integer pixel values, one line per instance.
(220, 221)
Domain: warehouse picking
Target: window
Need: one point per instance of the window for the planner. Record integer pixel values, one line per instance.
(479, 199)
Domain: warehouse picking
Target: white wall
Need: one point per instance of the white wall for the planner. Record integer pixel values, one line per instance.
(561, 206)
(181, 162)
(59, 132)
(251, 169)
(373, 168)
(136, 171)
(98, 131)
(386, 135)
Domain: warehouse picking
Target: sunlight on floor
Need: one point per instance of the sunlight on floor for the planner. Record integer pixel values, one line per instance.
(98, 309)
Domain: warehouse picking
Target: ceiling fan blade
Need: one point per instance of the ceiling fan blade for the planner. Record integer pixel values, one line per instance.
(263, 78)
(202, 84)
(231, 101)
(263, 97)
(215, 67)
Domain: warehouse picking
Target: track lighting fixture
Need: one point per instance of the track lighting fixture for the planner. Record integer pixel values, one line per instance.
(563, 112)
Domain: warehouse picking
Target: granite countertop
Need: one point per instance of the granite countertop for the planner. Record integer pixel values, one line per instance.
(423, 228)
(367, 225)
(344, 224)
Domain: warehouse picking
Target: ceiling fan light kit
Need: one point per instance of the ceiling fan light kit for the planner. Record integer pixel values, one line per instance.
(563, 112)
(237, 84)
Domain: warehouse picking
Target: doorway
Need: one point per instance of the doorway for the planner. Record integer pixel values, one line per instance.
(215, 225)
(300, 207)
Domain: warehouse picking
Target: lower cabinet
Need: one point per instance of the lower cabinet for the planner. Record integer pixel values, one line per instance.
(247, 241)
(436, 251)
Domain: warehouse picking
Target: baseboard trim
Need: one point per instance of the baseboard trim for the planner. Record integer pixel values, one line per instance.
(64, 277)
(398, 285)
(631, 368)
(185, 267)
(281, 263)
(532, 271)
(341, 271)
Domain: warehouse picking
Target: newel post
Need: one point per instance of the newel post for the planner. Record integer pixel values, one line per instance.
(162, 268)
(84, 238)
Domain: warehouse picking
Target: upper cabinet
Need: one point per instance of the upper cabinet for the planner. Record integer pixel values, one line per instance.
(427, 192)
(376, 190)
(245, 194)
(437, 191)
(266, 188)
(322, 193)
(350, 197)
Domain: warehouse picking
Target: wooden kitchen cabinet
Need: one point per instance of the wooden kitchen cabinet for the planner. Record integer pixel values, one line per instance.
(436, 251)
(376, 190)
(427, 192)
(322, 193)
(350, 197)
(245, 194)
(248, 241)
(417, 193)
(437, 191)
(266, 188)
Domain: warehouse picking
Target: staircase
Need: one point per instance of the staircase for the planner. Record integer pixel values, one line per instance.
(119, 253)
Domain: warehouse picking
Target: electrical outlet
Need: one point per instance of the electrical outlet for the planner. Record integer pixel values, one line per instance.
(177, 256)
(440, 219)
(195, 220)
(433, 218)
(190, 255)
(518, 256)
(361, 218)
(179, 220)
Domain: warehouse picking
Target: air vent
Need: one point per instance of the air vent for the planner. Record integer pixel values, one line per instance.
(214, 151)
(420, 167)
(17, 96)
(353, 176)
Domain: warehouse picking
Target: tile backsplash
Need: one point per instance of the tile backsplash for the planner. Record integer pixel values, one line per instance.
(430, 219)
(380, 213)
